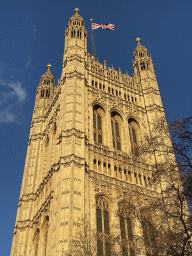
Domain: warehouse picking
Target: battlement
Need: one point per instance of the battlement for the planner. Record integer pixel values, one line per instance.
(111, 74)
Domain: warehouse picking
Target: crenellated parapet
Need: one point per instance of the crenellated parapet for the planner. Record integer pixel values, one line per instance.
(109, 73)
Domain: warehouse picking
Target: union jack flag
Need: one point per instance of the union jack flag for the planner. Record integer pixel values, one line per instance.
(103, 26)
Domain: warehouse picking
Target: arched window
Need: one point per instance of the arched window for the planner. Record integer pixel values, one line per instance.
(42, 93)
(126, 229)
(115, 126)
(133, 133)
(97, 126)
(103, 229)
(142, 65)
(72, 32)
(78, 33)
(148, 233)
(47, 93)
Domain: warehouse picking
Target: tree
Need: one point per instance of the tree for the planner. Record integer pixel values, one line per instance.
(165, 220)
(168, 147)
(84, 242)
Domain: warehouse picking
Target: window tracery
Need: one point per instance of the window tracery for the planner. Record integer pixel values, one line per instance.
(47, 93)
(42, 93)
(103, 229)
(133, 133)
(115, 126)
(148, 233)
(126, 228)
(98, 125)
(142, 64)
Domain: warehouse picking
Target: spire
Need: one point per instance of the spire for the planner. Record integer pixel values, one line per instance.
(142, 62)
(76, 19)
(140, 50)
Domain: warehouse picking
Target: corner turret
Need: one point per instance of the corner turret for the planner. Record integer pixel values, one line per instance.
(46, 83)
(44, 92)
(142, 63)
(75, 38)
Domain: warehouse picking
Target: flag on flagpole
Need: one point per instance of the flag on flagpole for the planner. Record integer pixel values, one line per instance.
(103, 26)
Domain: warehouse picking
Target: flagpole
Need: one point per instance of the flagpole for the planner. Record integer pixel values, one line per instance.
(92, 38)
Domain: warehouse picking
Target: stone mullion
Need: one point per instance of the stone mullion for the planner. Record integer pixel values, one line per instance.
(132, 177)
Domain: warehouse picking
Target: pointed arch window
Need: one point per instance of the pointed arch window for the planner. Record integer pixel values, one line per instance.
(126, 229)
(42, 93)
(47, 93)
(142, 64)
(102, 219)
(148, 234)
(133, 133)
(115, 126)
(97, 127)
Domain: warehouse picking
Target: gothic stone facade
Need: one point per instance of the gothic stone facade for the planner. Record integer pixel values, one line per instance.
(79, 163)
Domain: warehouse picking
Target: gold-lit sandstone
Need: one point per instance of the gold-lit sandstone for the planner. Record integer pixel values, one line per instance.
(84, 133)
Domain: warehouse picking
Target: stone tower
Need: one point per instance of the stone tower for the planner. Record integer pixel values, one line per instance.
(79, 164)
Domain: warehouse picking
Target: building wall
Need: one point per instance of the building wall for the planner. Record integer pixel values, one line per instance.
(66, 172)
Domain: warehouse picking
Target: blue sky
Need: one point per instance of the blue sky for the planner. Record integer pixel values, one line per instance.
(32, 35)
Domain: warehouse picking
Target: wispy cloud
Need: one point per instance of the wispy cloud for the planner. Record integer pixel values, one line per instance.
(22, 68)
(28, 62)
(12, 94)
(7, 115)
(34, 28)
(18, 91)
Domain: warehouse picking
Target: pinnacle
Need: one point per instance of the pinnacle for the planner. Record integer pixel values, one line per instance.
(49, 67)
(76, 11)
(138, 40)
